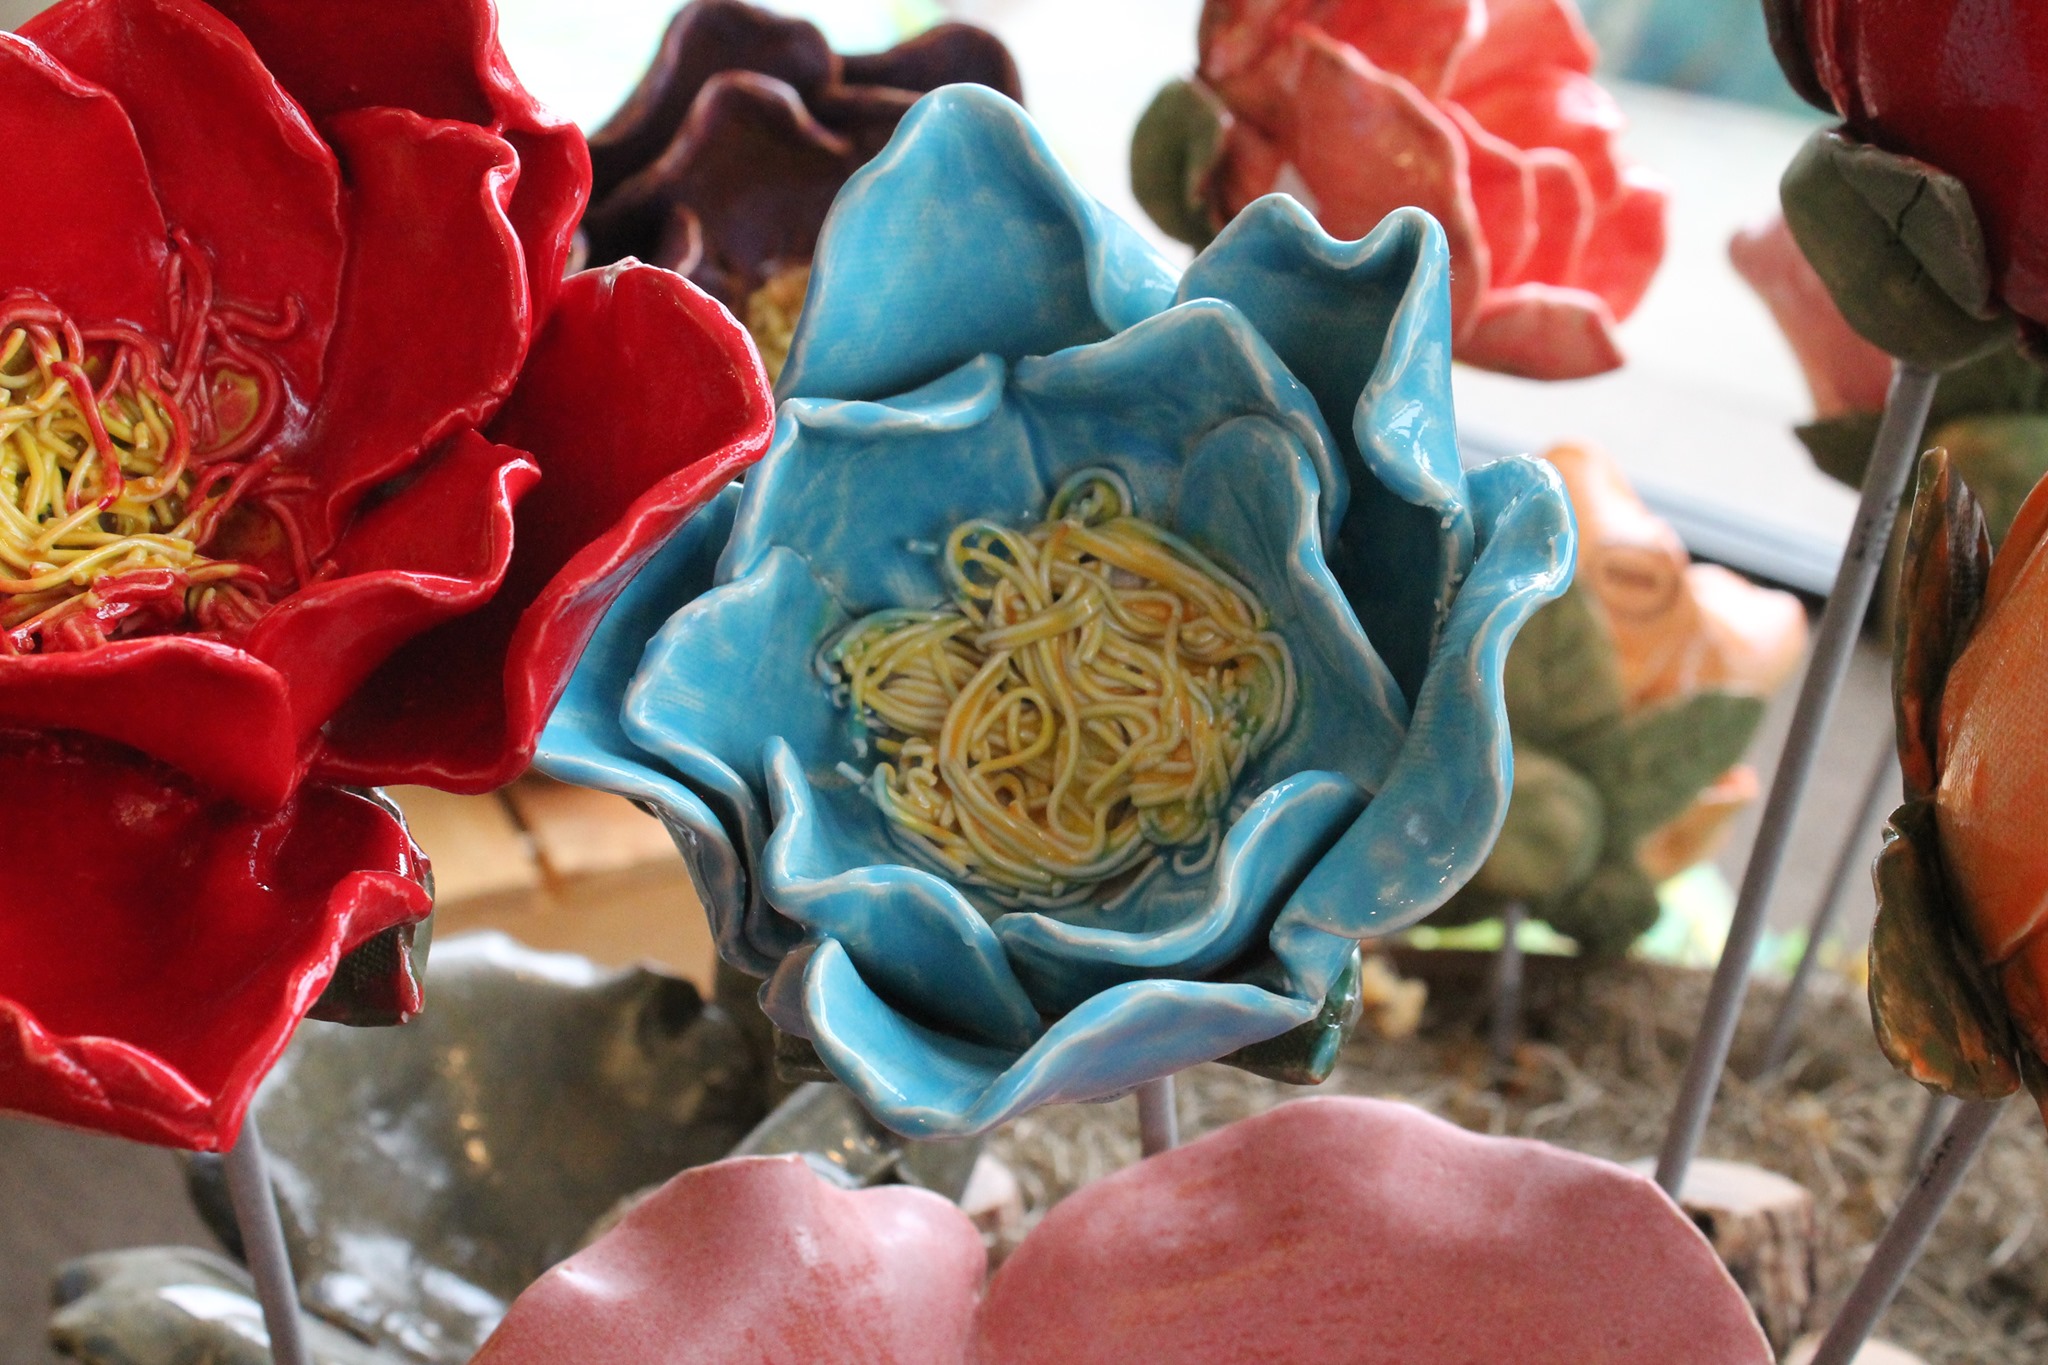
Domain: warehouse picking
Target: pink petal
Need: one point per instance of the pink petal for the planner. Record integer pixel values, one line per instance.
(1357, 1230)
(757, 1261)
(1845, 372)
(1542, 331)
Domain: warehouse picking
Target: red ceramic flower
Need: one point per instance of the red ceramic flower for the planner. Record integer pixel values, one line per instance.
(1485, 113)
(313, 470)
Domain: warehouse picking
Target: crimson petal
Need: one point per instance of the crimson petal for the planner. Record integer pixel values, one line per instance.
(1524, 34)
(1420, 40)
(91, 238)
(642, 399)
(434, 317)
(1626, 243)
(1542, 331)
(1504, 195)
(234, 161)
(1564, 219)
(159, 944)
(1555, 107)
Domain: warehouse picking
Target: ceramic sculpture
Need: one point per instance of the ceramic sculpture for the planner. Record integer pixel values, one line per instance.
(1484, 112)
(1280, 414)
(1916, 211)
(722, 163)
(1399, 1249)
(363, 489)
(1958, 975)
(1631, 699)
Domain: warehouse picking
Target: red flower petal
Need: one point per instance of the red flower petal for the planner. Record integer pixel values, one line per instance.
(435, 550)
(1522, 35)
(1362, 142)
(201, 706)
(441, 59)
(434, 318)
(1419, 40)
(159, 944)
(642, 399)
(1504, 194)
(1626, 244)
(87, 232)
(1564, 219)
(234, 161)
(1542, 331)
(1555, 107)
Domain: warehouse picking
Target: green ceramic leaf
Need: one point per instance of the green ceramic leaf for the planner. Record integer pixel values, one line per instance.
(1172, 151)
(1306, 1055)
(1553, 834)
(1613, 908)
(1937, 1017)
(1941, 582)
(1899, 247)
(1653, 766)
(1563, 677)
(2001, 456)
(2005, 381)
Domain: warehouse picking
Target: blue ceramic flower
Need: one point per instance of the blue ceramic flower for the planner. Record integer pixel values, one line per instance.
(977, 331)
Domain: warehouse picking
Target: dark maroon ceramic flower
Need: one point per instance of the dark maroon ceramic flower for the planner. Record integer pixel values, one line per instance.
(722, 163)
(313, 471)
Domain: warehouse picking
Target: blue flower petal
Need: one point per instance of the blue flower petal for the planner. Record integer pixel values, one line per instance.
(1429, 828)
(584, 743)
(926, 1084)
(1367, 327)
(964, 236)
(1267, 851)
(731, 670)
(908, 931)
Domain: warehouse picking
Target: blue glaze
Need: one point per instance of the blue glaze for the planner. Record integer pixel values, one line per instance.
(978, 329)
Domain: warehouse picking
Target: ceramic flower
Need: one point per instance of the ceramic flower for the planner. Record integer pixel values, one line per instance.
(316, 473)
(1958, 958)
(1279, 418)
(1844, 373)
(722, 163)
(1484, 112)
(1918, 210)
(1632, 699)
(1214, 1253)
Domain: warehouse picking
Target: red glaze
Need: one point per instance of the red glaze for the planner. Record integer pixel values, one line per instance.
(158, 944)
(1965, 87)
(480, 454)
(1485, 113)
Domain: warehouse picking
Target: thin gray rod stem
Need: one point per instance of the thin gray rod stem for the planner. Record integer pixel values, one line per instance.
(1891, 465)
(1882, 791)
(263, 1245)
(1506, 1030)
(1900, 1247)
(1940, 1111)
(1158, 1124)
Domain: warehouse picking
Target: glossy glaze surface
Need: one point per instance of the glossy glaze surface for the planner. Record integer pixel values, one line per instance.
(1285, 407)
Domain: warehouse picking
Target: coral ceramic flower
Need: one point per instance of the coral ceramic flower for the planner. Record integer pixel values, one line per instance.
(1327, 1229)
(315, 472)
(1095, 656)
(722, 163)
(1632, 699)
(1483, 112)
(1959, 956)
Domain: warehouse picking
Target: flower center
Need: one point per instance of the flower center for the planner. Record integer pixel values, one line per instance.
(1088, 700)
(124, 461)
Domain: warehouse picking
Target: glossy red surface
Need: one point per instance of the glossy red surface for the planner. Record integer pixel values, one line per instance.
(479, 453)
(1963, 86)
(1485, 113)
(158, 944)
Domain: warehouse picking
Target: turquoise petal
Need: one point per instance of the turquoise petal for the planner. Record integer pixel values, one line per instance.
(964, 236)
(1366, 325)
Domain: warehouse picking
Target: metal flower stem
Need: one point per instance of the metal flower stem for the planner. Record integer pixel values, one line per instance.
(1158, 1124)
(1506, 1024)
(1940, 1110)
(1900, 1247)
(1891, 464)
(263, 1245)
(1881, 792)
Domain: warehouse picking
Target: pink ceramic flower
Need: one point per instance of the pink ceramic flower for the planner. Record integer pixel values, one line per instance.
(1328, 1229)
(1485, 113)
(1844, 372)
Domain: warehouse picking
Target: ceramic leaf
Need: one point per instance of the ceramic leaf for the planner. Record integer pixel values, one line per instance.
(1607, 912)
(1172, 152)
(1553, 835)
(1563, 678)
(1948, 555)
(1937, 1019)
(2002, 382)
(1651, 767)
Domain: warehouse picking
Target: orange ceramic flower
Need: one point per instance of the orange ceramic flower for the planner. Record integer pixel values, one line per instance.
(1485, 113)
